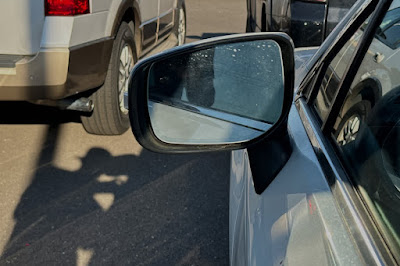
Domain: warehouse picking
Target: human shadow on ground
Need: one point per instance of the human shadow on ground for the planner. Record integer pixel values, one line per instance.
(150, 209)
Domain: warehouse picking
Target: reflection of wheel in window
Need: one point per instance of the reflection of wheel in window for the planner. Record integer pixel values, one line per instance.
(352, 121)
(375, 156)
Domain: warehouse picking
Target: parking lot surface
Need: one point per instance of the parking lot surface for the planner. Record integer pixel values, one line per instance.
(71, 198)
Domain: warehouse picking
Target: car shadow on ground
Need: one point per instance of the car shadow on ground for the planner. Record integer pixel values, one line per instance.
(150, 209)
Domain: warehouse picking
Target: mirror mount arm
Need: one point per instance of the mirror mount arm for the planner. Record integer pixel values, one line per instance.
(268, 157)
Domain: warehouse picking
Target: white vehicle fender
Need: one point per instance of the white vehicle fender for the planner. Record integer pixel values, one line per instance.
(116, 11)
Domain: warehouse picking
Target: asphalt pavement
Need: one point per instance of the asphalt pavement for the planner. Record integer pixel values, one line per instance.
(71, 198)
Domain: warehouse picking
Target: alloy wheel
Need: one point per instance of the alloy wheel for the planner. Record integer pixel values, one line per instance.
(181, 27)
(349, 131)
(126, 63)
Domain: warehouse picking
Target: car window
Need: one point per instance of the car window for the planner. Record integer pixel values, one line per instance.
(389, 31)
(367, 131)
(334, 74)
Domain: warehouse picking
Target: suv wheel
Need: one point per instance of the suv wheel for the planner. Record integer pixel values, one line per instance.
(351, 122)
(109, 116)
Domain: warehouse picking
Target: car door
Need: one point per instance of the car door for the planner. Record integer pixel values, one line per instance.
(329, 204)
(149, 22)
(167, 12)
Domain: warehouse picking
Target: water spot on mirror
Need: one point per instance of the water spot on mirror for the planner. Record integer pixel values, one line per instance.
(231, 91)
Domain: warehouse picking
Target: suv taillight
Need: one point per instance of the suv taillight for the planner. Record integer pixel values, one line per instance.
(66, 7)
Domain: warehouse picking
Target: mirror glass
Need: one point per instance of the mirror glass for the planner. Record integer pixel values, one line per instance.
(225, 94)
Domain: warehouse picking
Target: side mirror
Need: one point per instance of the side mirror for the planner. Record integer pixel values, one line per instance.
(218, 94)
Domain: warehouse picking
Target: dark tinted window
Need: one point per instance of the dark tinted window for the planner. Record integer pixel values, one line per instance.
(389, 31)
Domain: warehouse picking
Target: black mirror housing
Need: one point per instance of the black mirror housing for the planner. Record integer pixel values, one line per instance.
(138, 95)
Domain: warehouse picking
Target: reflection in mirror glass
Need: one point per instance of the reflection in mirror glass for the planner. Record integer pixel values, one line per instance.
(225, 94)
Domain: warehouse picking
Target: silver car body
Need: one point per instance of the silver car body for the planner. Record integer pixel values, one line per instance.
(290, 218)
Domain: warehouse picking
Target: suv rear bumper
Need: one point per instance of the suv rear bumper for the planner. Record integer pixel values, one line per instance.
(55, 73)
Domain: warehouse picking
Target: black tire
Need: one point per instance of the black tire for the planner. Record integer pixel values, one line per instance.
(107, 117)
(358, 111)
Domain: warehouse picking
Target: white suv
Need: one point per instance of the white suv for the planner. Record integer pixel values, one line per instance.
(77, 54)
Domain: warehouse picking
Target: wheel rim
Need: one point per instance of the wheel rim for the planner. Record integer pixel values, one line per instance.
(126, 63)
(181, 27)
(349, 131)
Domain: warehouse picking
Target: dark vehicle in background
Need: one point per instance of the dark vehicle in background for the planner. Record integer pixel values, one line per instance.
(308, 22)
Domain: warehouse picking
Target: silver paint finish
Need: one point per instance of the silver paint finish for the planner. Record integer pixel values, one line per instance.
(57, 32)
(342, 191)
(295, 220)
(88, 28)
(166, 6)
(149, 9)
(99, 5)
(112, 13)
